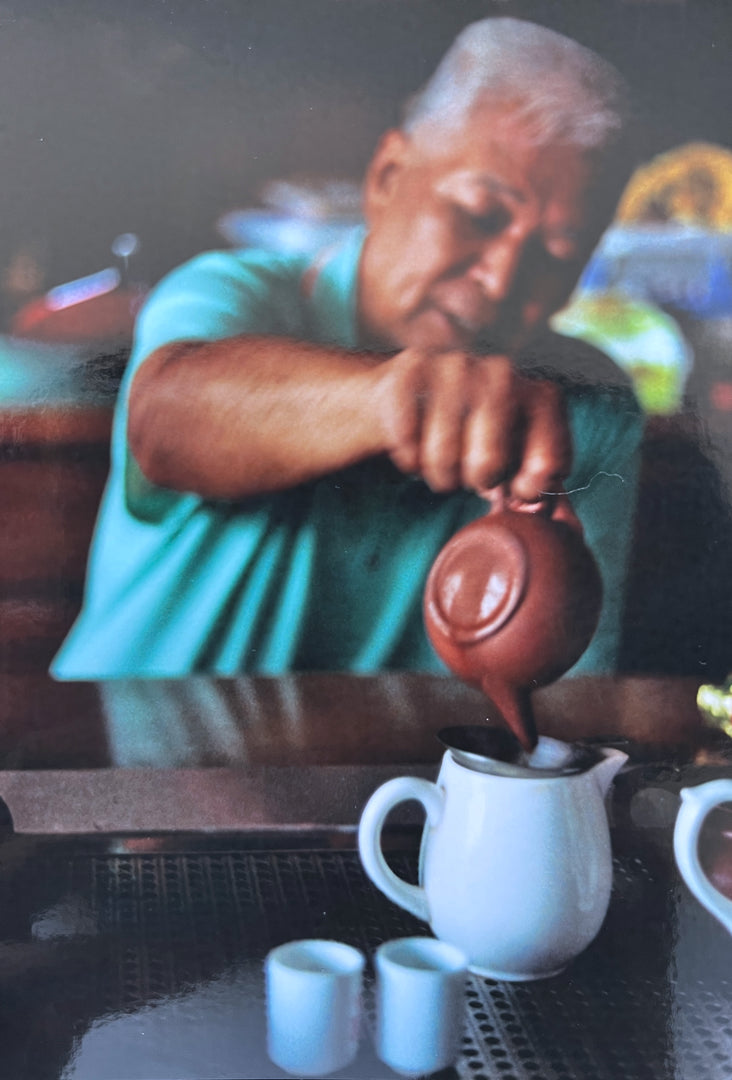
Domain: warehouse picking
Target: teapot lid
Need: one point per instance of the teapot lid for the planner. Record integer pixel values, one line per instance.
(489, 749)
(478, 582)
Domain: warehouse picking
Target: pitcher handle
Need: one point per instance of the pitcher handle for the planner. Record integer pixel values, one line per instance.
(410, 897)
(696, 804)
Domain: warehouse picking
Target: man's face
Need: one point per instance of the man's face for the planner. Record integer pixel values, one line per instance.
(476, 236)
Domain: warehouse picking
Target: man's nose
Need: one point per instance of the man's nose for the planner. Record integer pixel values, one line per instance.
(497, 266)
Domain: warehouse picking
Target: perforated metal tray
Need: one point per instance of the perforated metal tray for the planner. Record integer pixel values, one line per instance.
(141, 959)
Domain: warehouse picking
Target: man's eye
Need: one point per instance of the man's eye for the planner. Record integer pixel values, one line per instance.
(485, 222)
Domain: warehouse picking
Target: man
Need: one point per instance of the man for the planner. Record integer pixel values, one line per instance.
(295, 443)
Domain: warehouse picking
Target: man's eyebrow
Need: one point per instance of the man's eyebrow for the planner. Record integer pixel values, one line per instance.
(490, 183)
(498, 187)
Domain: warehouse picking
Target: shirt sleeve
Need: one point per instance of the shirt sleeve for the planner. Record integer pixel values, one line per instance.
(217, 295)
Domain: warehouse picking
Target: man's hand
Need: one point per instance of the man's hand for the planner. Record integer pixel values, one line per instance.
(459, 420)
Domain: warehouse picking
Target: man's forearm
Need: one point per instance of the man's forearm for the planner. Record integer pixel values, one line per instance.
(248, 415)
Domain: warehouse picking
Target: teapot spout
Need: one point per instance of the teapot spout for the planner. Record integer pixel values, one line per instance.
(607, 767)
(514, 706)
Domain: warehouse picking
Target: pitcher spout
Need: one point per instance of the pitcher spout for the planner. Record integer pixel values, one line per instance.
(607, 767)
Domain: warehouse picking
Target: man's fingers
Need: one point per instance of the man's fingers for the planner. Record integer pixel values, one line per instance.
(401, 391)
(546, 456)
(445, 407)
(492, 430)
(457, 419)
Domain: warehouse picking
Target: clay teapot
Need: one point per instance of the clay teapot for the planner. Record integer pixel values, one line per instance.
(512, 601)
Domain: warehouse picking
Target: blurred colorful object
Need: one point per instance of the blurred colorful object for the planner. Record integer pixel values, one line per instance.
(678, 267)
(643, 340)
(92, 308)
(689, 185)
(95, 309)
(299, 216)
(715, 703)
(276, 231)
(671, 241)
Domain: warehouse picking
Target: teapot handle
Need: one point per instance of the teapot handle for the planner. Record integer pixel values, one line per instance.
(554, 505)
(410, 897)
(696, 804)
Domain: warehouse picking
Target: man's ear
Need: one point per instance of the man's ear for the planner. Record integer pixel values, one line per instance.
(383, 172)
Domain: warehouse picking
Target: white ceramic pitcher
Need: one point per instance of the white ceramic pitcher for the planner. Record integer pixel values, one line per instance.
(697, 803)
(515, 867)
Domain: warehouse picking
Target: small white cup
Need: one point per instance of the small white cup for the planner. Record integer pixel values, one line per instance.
(313, 1005)
(696, 803)
(420, 1001)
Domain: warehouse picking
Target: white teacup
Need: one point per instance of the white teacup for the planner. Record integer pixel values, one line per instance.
(313, 1005)
(420, 999)
(697, 803)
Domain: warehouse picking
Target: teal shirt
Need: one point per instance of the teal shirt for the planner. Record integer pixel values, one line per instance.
(326, 576)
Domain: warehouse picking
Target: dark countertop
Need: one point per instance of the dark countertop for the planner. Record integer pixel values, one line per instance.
(138, 904)
(321, 718)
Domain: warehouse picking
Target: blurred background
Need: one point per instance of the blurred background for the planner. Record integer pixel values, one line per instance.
(158, 116)
(136, 133)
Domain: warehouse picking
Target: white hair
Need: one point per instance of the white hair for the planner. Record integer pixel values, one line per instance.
(563, 91)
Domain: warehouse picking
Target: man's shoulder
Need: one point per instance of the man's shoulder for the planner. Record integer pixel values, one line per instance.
(574, 362)
(245, 266)
(220, 294)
